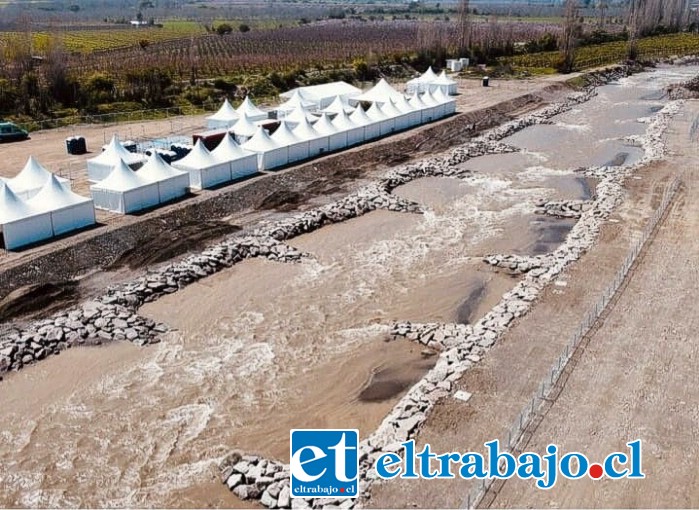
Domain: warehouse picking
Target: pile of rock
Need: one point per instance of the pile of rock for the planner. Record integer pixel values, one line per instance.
(252, 477)
(433, 335)
(541, 116)
(173, 277)
(563, 208)
(598, 78)
(370, 198)
(443, 165)
(516, 264)
(93, 323)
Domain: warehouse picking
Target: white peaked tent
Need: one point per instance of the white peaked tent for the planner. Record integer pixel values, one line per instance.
(386, 124)
(360, 118)
(225, 117)
(294, 102)
(101, 165)
(338, 105)
(438, 107)
(343, 123)
(125, 191)
(31, 179)
(429, 75)
(205, 171)
(379, 93)
(296, 116)
(324, 94)
(414, 116)
(172, 183)
(69, 211)
(422, 82)
(443, 83)
(400, 119)
(449, 103)
(427, 113)
(336, 139)
(269, 154)
(244, 129)
(298, 148)
(243, 163)
(21, 224)
(248, 109)
(317, 143)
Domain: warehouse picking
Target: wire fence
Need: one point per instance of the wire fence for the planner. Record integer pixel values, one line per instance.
(5, 329)
(546, 388)
(116, 117)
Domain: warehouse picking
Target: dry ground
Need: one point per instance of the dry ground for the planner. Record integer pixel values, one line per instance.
(635, 380)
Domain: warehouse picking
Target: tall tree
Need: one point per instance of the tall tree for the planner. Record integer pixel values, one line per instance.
(602, 7)
(464, 32)
(568, 42)
(635, 7)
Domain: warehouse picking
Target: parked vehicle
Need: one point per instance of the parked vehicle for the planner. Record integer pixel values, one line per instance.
(11, 133)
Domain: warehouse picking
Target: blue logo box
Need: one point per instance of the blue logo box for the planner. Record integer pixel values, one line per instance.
(324, 463)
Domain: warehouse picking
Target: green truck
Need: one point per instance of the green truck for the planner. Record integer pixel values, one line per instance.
(11, 133)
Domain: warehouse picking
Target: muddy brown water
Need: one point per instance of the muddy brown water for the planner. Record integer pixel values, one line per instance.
(256, 350)
(264, 347)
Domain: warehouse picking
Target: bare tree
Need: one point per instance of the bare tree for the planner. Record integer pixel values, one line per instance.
(431, 43)
(646, 16)
(635, 7)
(193, 60)
(602, 7)
(18, 49)
(464, 32)
(568, 42)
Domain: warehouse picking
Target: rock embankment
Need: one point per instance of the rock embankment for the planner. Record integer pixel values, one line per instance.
(370, 198)
(563, 208)
(92, 323)
(175, 276)
(467, 348)
(253, 477)
(517, 264)
(686, 90)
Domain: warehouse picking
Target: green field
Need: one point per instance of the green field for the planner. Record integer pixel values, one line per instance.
(603, 54)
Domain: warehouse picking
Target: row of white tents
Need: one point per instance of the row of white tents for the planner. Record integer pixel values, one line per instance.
(302, 134)
(29, 181)
(226, 116)
(37, 205)
(99, 167)
(156, 182)
(126, 191)
(227, 162)
(430, 81)
(320, 96)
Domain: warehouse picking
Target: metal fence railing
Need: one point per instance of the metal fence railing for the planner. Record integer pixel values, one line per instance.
(545, 389)
(116, 117)
(5, 329)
